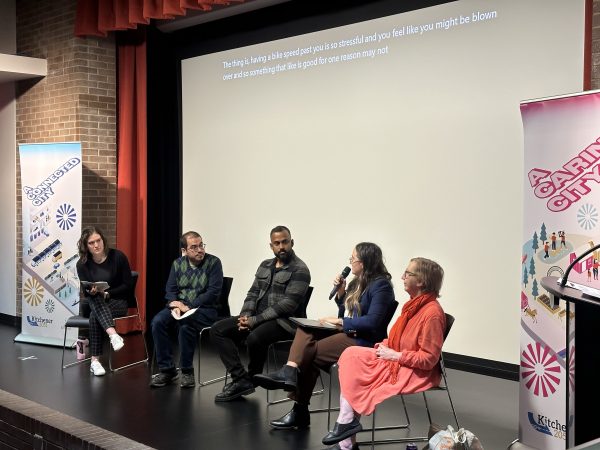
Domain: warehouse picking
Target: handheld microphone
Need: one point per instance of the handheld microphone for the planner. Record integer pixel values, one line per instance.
(344, 274)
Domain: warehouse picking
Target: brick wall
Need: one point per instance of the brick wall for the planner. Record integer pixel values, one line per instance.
(75, 102)
(26, 424)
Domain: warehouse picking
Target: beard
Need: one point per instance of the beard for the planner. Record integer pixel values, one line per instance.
(284, 256)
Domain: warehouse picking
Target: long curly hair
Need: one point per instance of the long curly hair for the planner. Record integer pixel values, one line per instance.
(371, 257)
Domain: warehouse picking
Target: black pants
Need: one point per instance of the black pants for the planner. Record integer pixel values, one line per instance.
(226, 337)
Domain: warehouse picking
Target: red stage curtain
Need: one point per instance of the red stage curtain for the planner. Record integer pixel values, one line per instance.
(132, 156)
(98, 17)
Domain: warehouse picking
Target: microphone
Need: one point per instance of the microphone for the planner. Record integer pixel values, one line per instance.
(344, 274)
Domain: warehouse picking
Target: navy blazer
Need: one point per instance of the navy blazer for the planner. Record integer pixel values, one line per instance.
(377, 306)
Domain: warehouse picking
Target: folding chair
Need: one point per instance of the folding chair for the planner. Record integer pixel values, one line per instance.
(223, 312)
(333, 369)
(84, 322)
(273, 349)
(74, 322)
(135, 315)
(442, 387)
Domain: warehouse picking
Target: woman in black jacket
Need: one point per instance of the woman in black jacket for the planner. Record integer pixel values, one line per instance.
(98, 263)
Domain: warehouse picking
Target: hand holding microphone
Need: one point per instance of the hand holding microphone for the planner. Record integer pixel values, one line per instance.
(340, 279)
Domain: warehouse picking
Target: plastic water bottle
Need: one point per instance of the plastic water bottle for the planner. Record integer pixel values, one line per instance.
(411, 446)
(81, 348)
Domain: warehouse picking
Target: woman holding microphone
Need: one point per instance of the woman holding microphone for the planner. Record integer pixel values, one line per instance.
(365, 309)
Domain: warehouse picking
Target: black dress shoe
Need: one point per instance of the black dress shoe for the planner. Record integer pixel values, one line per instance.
(298, 417)
(342, 431)
(234, 390)
(285, 378)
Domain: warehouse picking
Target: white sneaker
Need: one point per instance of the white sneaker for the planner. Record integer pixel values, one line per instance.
(96, 368)
(117, 342)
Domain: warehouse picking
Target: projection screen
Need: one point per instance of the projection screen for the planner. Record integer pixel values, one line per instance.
(404, 131)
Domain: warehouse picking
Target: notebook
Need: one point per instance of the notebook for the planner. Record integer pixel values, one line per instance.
(188, 313)
(312, 323)
(100, 285)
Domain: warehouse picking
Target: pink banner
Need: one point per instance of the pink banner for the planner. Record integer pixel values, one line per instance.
(561, 214)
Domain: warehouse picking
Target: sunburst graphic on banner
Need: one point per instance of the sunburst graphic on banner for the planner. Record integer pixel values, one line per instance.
(572, 368)
(65, 216)
(33, 292)
(587, 216)
(49, 306)
(540, 369)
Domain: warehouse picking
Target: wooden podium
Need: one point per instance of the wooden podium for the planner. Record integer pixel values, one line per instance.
(583, 394)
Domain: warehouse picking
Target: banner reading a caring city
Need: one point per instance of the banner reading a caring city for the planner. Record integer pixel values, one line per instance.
(561, 205)
(51, 213)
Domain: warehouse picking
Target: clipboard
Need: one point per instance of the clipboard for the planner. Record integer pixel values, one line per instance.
(313, 323)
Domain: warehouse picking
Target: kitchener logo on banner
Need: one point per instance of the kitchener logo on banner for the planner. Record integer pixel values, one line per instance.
(561, 204)
(51, 212)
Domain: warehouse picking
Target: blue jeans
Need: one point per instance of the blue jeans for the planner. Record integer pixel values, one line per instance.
(163, 324)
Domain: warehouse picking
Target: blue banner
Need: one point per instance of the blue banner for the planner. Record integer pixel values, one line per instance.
(51, 213)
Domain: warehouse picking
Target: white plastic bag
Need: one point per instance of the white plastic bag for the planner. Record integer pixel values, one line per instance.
(449, 439)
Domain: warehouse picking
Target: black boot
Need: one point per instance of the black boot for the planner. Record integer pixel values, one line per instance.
(298, 417)
(285, 378)
(342, 431)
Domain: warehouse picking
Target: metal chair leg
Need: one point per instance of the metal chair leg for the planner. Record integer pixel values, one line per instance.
(272, 352)
(213, 380)
(62, 362)
(143, 335)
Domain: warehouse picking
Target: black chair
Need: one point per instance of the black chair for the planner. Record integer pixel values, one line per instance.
(223, 312)
(271, 350)
(442, 387)
(333, 369)
(84, 322)
(140, 326)
(74, 322)
(284, 346)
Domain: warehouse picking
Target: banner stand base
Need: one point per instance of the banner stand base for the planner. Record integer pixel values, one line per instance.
(43, 340)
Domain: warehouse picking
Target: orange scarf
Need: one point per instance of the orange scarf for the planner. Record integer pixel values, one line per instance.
(409, 309)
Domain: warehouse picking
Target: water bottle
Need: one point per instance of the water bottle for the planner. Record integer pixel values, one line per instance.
(81, 348)
(411, 446)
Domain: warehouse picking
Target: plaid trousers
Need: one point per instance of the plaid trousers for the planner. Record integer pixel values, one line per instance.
(101, 318)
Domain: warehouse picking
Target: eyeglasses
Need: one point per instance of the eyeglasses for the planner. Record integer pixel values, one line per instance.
(352, 260)
(196, 248)
(408, 274)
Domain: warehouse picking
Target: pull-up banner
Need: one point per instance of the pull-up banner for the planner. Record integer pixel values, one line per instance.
(51, 213)
(561, 207)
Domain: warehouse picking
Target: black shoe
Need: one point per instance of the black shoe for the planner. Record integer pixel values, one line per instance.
(342, 431)
(298, 417)
(161, 379)
(285, 378)
(188, 380)
(234, 390)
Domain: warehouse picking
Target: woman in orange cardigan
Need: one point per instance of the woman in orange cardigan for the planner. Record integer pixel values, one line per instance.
(405, 363)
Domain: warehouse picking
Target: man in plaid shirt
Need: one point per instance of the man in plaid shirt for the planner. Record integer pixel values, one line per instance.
(195, 281)
(278, 292)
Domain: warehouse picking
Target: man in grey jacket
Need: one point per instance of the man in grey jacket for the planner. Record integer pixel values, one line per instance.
(278, 292)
